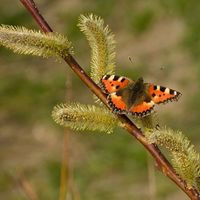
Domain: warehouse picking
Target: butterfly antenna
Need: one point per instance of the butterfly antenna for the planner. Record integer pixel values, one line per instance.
(130, 59)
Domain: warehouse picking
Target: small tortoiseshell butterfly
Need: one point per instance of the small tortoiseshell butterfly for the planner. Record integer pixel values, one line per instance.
(126, 96)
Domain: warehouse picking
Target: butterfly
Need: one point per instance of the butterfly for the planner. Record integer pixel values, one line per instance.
(126, 96)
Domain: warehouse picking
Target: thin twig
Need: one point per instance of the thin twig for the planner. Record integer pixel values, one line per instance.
(26, 186)
(162, 162)
(64, 174)
(151, 178)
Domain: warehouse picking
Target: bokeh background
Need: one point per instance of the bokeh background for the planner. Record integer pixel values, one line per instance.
(158, 40)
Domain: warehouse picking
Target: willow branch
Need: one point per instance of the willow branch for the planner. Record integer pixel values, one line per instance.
(162, 163)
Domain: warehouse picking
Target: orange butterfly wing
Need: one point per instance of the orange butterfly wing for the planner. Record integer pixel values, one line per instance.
(112, 83)
(160, 94)
(117, 104)
(142, 109)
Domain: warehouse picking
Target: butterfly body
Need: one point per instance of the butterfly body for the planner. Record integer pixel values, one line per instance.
(126, 96)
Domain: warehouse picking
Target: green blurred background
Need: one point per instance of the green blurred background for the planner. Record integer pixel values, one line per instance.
(162, 39)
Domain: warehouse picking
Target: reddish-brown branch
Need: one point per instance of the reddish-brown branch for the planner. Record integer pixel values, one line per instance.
(160, 159)
(32, 8)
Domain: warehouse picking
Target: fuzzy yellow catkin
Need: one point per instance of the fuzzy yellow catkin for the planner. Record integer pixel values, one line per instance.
(31, 42)
(85, 117)
(102, 44)
(185, 159)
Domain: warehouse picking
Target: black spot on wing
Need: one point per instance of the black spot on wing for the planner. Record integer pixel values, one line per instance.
(106, 77)
(123, 79)
(171, 91)
(115, 78)
(162, 89)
